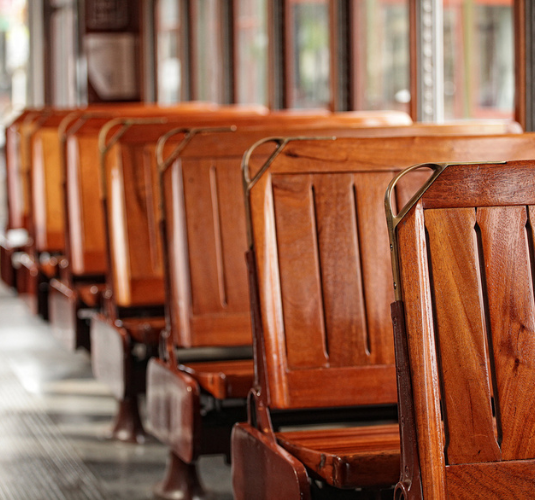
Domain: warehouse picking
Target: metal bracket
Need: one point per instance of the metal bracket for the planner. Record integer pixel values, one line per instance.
(190, 133)
(392, 220)
(249, 183)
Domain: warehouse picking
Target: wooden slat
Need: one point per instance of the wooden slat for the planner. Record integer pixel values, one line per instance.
(512, 321)
(491, 480)
(461, 336)
(494, 186)
(231, 211)
(48, 204)
(201, 231)
(348, 457)
(340, 264)
(301, 287)
(138, 258)
(269, 293)
(86, 217)
(223, 379)
(346, 386)
(375, 258)
(422, 352)
(361, 154)
(179, 299)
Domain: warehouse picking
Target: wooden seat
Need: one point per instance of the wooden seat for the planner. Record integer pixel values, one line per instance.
(465, 333)
(134, 265)
(222, 379)
(85, 243)
(349, 457)
(208, 303)
(144, 330)
(320, 284)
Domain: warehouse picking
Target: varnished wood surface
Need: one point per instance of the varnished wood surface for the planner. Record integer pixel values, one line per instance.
(144, 330)
(48, 203)
(494, 188)
(467, 283)
(422, 354)
(289, 229)
(17, 165)
(495, 480)
(465, 368)
(131, 158)
(203, 190)
(348, 457)
(223, 379)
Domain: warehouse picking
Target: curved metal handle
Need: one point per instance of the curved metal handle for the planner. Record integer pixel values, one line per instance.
(74, 120)
(248, 183)
(125, 123)
(104, 147)
(190, 133)
(392, 220)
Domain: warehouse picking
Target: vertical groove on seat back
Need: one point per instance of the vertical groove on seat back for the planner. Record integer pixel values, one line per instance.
(461, 337)
(334, 264)
(509, 274)
(302, 305)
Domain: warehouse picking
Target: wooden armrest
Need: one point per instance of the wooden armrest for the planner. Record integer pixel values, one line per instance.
(223, 379)
(348, 457)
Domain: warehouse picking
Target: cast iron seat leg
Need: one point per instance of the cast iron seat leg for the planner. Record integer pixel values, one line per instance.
(181, 482)
(127, 426)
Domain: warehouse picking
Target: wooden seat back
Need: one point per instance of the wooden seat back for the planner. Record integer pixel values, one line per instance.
(204, 217)
(466, 283)
(322, 262)
(133, 198)
(86, 242)
(18, 161)
(46, 182)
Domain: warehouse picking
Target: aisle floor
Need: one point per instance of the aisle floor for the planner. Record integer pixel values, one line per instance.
(54, 417)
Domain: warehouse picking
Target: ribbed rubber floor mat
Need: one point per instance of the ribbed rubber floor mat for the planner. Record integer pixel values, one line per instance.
(36, 461)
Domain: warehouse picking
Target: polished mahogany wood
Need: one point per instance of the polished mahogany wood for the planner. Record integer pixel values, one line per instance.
(466, 263)
(310, 211)
(367, 450)
(222, 379)
(47, 185)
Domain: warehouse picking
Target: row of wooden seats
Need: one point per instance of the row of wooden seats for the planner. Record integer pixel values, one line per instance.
(82, 271)
(320, 267)
(131, 318)
(129, 152)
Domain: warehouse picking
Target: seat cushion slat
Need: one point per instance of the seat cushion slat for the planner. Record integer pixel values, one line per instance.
(348, 457)
(223, 379)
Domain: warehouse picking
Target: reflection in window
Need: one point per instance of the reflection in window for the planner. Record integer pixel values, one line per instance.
(478, 59)
(252, 43)
(381, 57)
(168, 51)
(310, 53)
(208, 61)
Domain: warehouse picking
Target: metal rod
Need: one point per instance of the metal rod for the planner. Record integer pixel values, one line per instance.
(190, 133)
